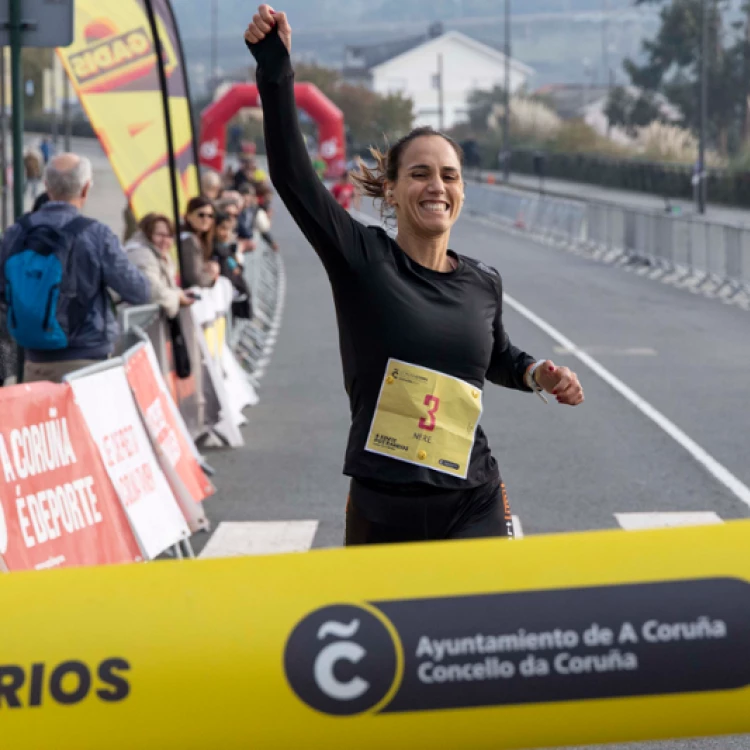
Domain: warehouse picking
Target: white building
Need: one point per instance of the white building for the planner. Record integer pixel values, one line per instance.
(412, 67)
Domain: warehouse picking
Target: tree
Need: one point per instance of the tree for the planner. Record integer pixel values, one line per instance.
(481, 103)
(743, 56)
(394, 114)
(630, 112)
(369, 116)
(672, 66)
(326, 79)
(618, 107)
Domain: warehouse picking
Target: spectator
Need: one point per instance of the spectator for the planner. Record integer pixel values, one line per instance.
(264, 193)
(197, 239)
(210, 185)
(246, 218)
(472, 156)
(233, 195)
(224, 247)
(149, 251)
(232, 205)
(32, 162)
(343, 191)
(249, 173)
(234, 133)
(319, 165)
(253, 219)
(8, 348)
(225, 251)
(228, 177)
(47, 149)
(93, 260)
(230, 208)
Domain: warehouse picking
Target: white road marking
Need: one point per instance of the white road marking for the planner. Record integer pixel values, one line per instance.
(517, 528)
(239, 538)
(708, 462)
(634, 351)
(639, 521)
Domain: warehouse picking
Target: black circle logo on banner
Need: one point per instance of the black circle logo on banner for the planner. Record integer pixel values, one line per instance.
(341, 660)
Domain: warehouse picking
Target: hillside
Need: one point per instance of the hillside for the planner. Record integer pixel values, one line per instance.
(563, 40)
(193, 13)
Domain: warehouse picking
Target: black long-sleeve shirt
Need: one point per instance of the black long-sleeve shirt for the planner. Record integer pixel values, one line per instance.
(387, 305)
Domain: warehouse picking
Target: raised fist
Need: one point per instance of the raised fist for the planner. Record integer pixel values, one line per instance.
(263, 21)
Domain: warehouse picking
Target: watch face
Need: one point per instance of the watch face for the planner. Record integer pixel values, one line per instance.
(532, 377)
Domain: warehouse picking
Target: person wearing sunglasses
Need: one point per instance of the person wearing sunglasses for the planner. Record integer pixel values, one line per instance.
(197, 241)
(229, 207)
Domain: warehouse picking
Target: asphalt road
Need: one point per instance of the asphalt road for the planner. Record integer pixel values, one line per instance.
(566, 469)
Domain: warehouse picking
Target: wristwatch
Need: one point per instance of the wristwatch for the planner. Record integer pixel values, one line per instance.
(531, 380)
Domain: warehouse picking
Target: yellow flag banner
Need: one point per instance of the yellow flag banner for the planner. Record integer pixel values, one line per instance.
(113, 66)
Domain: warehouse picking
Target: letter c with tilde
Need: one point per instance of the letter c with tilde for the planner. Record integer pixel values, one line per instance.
(332, 654)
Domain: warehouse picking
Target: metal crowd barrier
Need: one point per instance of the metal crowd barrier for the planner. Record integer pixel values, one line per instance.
(252, 340)
(701, 253)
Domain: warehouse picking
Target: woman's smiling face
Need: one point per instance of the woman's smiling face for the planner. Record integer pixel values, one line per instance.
(428, 194)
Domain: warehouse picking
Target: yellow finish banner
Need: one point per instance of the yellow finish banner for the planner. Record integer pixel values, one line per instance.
(541, 642)
(112, 65)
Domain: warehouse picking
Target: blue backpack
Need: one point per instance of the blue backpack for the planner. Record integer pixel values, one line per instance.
(39, 285)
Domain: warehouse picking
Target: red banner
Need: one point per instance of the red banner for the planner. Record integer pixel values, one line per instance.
(58, 507)
(159, 416)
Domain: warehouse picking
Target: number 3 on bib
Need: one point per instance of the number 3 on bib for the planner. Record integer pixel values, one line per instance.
(405, 425)
(433, 404)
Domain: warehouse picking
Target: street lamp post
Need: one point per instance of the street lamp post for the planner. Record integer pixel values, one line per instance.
(213, 77)
(67, 117)
(441, 94)
(3, 144)
(702, 181)
(506, 114)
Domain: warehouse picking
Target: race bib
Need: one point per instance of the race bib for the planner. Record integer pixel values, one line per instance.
(425, 418)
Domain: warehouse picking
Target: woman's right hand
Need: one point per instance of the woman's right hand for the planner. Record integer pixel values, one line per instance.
(263, 21)
(185, 301)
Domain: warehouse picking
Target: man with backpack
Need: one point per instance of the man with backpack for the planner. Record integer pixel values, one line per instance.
(55, 270)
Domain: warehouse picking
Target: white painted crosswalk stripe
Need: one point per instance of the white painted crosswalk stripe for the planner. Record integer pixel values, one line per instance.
(653, 520)
(640, 521)
(239, 538)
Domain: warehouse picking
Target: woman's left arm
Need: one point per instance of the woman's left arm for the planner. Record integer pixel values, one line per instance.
(510, 365)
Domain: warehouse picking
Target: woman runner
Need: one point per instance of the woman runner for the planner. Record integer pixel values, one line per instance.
(420, 326)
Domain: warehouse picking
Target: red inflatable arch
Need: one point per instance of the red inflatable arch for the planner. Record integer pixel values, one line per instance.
(330, 119)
